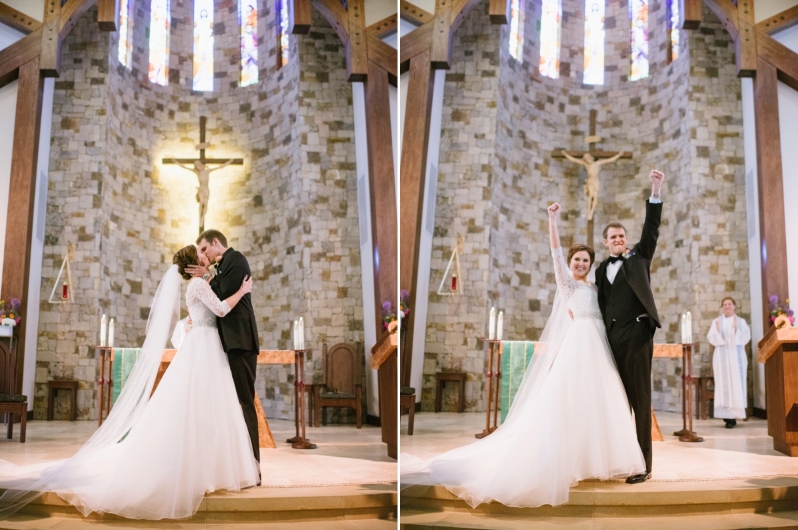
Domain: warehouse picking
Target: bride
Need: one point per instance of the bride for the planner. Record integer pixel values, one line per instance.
(158, 454)
(570, 420)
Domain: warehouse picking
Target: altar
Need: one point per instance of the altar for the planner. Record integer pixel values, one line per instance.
(122, 361)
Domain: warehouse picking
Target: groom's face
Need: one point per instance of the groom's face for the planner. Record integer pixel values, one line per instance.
(211, 250)
(616, 240)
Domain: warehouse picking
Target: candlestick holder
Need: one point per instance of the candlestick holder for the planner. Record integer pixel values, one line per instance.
(300, 441)
(687, 434)
(494, 350)
(104, 384)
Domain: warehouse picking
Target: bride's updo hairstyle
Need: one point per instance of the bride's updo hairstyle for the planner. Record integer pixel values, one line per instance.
(581, 248)
(184, 257)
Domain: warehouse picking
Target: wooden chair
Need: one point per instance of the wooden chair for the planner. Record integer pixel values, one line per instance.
(341, 386)
(10, 403)
(442, 378)
(703, 396)
(407, 400)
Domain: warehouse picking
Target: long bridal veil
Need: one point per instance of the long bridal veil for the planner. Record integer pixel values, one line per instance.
(75, 472)
(415, 471)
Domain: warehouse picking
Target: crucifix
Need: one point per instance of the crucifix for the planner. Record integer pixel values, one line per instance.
(592, 160)
(201, 167)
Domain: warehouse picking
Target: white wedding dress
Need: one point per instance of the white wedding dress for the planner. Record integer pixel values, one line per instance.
(188, 439)
(570, 420)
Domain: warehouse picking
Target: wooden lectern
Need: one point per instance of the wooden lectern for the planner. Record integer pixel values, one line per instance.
(384, 360)
(778, 350)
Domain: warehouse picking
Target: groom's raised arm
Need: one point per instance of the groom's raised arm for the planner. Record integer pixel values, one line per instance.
(648, 241)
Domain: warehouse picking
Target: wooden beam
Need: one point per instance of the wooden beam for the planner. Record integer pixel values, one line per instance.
(50, 58)
(726, 12)
(773, 252)
(418, 110)
(300, 17)
(499, 11)
(745, 46)
(336, 15)
(414, 14)
(416, 42)
(786, 19)
(689, 14)
(71, 13)
(441, 47)
(384, 56)
(21, 194)
(781, 57)
(385, 27)
(382, 189)
(461, 10)
(19, 53)
(108, 15)
(18, 20)
(357, 51)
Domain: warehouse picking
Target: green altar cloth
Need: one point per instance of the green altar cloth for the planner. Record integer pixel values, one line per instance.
(516, 357)
(124, 360)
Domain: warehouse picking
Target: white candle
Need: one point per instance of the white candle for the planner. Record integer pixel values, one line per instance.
(682, 337)
(111, 333)
(689, 327)
(500, 326)
(301, 333)
(102, 330)
(296, 334)
(492, 323)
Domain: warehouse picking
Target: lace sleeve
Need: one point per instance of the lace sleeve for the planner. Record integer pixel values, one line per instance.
(564, 281)
(204, 293)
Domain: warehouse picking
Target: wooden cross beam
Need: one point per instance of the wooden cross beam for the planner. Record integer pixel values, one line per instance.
(18, 20)
(202, 145)
(422, 51)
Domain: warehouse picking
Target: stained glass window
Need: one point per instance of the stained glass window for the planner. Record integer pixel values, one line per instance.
(638, 13)
(550, 22)
(673, 26)
(125, 22)
(160, 20)
(283, 59)
(594, 42)
(248, 22)
(203, 45)
(517, 30)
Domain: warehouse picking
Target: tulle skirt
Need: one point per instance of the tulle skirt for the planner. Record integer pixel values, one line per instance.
(578, 426)
(190, 440)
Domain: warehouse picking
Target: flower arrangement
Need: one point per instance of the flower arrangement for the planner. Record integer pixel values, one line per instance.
(10, 314)
(388, 315)
(404, 302)
(780, 314)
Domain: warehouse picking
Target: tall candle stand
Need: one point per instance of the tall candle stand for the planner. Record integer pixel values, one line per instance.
(300, 441)
(494, 350)
(687, 434)
(106, 385)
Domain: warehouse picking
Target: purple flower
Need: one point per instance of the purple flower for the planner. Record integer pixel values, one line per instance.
(386, 306)
(790, 312)
(404, 294)
(774, 299)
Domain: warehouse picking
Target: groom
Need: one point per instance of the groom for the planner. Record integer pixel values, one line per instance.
(237, 330)
(630, 315)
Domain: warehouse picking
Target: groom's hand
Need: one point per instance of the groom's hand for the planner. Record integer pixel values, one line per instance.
(197, 271)
(657, 177)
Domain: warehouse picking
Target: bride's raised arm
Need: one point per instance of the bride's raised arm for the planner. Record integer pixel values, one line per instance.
(561, 273)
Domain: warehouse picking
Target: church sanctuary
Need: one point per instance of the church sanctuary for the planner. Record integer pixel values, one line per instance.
(511, 106)
(128, 128)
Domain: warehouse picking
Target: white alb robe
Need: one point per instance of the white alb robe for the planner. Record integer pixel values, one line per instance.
(730, 365)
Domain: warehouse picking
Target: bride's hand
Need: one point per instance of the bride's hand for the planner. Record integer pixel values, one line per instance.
(246, 285)
(554, 212)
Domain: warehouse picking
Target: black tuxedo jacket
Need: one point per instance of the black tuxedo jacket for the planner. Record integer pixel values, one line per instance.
(637, 267)
(237, 329)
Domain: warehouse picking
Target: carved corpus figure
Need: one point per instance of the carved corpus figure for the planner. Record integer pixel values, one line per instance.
(593, 184)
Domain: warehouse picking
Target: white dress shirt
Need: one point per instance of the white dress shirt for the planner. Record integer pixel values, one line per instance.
(613, 268)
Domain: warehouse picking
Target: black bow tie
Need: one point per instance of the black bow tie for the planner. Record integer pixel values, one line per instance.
(613, 259)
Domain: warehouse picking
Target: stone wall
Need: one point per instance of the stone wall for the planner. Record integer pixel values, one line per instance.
(291, 208)
(684, 119)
